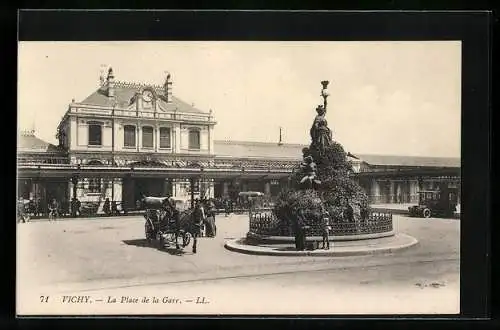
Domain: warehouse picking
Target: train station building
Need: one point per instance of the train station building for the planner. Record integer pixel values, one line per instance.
(128, 139)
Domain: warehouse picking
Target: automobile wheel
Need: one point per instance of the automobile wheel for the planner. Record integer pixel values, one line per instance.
(426, 213)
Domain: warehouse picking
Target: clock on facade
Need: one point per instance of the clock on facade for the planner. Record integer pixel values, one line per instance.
(147, 96)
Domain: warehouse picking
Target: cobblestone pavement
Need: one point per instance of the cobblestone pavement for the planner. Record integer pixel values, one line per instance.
(109, 256)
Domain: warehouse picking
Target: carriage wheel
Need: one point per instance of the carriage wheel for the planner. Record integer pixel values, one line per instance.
(148, 229)
(427, 213)
(186, 239)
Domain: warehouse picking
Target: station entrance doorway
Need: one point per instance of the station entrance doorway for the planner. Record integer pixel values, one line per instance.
(135, 189)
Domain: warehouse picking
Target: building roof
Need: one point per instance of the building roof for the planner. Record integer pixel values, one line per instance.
(125, 93)
(246, 149)
(412, 161)
(28, 142)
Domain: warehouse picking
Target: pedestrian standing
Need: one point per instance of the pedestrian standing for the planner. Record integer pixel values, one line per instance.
(107, 207)
(301, 235)
(21, 210)
(326, 230)
(198, 219)
(53, 210)
(227, 207)
(210, 219)
(348, 212)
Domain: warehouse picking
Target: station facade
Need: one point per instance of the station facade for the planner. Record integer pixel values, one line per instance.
(126, 140)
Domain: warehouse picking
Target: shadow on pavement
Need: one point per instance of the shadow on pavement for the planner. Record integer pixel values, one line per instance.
(173, 251)
(142, 242)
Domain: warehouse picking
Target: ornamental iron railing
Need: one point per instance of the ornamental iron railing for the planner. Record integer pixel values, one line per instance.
(41, 160)
(85, 209)
(267, 224)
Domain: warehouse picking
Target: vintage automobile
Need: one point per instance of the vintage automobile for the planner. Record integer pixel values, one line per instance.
(251, 199)
(439, 203)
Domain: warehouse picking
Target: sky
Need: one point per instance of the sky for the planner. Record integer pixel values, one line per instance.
(388, 98)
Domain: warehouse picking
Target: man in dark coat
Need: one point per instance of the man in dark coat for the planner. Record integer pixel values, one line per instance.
(198, 218)
(348, 212)
(295, 229)
(210, 219)
(227, 207)
(300, 230)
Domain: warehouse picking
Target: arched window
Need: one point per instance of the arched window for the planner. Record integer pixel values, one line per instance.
(165, 138)
(95, 134)
(147, 137)
(129, 136)
(194, 138)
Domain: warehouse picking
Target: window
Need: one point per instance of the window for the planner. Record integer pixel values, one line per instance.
(95, 185)
(147, 137)
(95, 134)
(165, 137)
(194, 139)
(129, 136)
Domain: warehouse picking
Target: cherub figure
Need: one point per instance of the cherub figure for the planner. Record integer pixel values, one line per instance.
(309, 170)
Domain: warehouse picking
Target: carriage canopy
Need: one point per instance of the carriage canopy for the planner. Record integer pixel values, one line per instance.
(156, 203)
(250, 194)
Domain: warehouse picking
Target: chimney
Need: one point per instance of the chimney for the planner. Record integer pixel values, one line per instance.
(111, 83)
(102, 80)
(167, 86)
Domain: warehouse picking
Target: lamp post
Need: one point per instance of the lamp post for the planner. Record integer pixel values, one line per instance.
(113, 150)
(191, 186)
(324, 92)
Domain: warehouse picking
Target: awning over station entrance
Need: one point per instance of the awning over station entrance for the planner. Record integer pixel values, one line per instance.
(30, 171)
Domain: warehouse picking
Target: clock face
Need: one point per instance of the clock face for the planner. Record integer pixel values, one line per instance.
(147, 96)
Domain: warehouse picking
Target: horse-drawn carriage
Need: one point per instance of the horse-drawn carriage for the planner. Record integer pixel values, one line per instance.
(160, 228)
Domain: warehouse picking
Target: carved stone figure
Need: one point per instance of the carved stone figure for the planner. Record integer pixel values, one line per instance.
(320, 133)
(309, 172)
